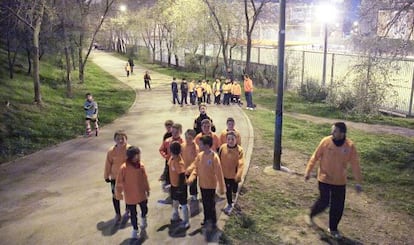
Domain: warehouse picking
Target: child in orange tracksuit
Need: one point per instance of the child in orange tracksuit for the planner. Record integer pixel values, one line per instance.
(164, 150)
(208, 169)
(199, 90)
(189, 151)
(232, 162)
(236, 92)
(115, 157)
(206, 130)
(132, 180)
(230, 127)
(176, 171)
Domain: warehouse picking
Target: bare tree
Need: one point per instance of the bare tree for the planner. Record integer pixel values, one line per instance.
(85, 12)
(31, 14)
(222, 30)
(251, 19)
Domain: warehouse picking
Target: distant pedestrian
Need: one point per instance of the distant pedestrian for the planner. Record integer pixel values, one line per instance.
(217, 91)
(115, 157)
(178, 186)
(191, 90)
(334, 153)
(248, 92)
(147, 80)
(174, 91)
(131, 64)
(199, 91)
(226, 88)
(91, 109)
(127, 69)
(232, 163)
(132, 181)
(208, 92)
(184, 91)
(207, 168)
(236, 92)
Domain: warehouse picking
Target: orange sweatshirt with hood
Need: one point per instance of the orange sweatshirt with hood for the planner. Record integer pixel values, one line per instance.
(333, 162)
(208, 169)
(115, 157)
(132, 180)
(232, 161)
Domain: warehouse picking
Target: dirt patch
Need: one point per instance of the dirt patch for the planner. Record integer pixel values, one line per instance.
(366, 220)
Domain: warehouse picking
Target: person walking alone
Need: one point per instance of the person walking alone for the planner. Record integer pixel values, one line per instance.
(147, 80)
(333, 154)
(248, 92)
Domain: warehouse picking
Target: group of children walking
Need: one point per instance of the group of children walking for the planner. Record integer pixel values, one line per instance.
(202, 160)
(221, 91)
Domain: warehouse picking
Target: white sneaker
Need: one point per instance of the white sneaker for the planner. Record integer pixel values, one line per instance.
(166, 188)
(134, 234)
(144, 223)
(184, 225)
(228, 209)
(193, 198)
(335, 234)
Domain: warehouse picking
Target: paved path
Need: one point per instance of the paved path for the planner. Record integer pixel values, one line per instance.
(58, 195)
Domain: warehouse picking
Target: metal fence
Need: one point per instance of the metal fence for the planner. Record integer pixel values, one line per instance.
(341, 70)
(303, 66)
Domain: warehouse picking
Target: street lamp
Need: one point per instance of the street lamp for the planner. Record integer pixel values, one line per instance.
(122, 7)
(326, 13)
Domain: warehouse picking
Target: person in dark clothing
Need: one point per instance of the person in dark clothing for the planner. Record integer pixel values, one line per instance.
(203, 115)
(147, 80)
(174, 90)
(184, 91)
(131, 64)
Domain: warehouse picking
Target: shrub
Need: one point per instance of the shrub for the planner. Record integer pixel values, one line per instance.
(313, 92)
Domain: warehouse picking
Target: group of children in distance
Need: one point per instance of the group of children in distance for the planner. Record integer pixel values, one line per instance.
(202, 92)
(203, 160)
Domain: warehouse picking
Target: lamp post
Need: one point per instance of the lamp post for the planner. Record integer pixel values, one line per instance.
(325, 53)
(327, 14)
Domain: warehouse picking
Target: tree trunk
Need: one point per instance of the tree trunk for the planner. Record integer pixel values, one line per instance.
(176, 60)
(29, 61)
(153, 55)
(169, 59)
(36, 75)
(80, 54)
(248, 53)
(10, 61)
(72, 55)
(67, 55)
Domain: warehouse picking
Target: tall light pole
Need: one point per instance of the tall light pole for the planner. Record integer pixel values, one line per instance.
(280, 75)
(326, 13)
(325, 52)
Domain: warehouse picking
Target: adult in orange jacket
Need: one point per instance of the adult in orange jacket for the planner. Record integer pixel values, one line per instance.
(248, 92)
(334, 153)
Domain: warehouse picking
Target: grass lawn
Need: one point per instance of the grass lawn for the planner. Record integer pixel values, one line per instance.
(26, 128)
(293, 103)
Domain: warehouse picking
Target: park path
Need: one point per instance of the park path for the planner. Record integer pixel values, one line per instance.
(370, 128)
(58, 195)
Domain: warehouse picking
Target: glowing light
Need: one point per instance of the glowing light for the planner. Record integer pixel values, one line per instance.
(123, 7)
